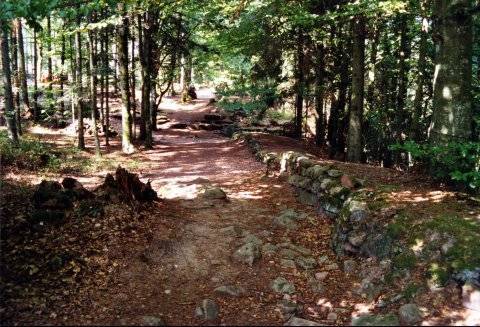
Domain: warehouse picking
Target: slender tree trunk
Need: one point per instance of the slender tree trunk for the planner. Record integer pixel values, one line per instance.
(107, 87)
(370, 97)
(63, 76)
(36, 110)
(49, 62)
(147, 83)
(354, 138)
(122, 49)
(7, 85)
(452, 98)
(102, 83)
(134, 102)
(143, 115)
(300, 85)
(416, 131)
(16, 79)
(319, 93)
(73, 83)
(93, 89)
(21, 65)
(78, 86)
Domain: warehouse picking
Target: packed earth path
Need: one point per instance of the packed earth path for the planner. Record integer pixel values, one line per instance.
(205, 257)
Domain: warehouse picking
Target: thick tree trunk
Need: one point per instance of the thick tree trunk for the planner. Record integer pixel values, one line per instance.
(122, 53)
(93, 88)
(22, 75)
(300, 85)
(7, 84)
(354, 138)
(78, 87)
(452, 98)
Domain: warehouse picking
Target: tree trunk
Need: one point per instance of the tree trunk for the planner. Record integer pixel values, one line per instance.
(78, 87)
(73, 84)
(143, 116)
(122, 54)
(319, 92)
(102, 83)
(49, 61)
(300, 85)
(416, 132)
(7, 85)
(354, 138)
(21, 65)
(16, 80)
(134, 102)
(93, 88)
(63, 76)
(107, 88)
(146, 61)
(36, 110)
(452, 98)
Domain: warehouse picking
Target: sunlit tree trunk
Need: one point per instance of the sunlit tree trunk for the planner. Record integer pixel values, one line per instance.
(354, 137)
(452, 97)
(21, 65)
(122, 54)
(7, 84)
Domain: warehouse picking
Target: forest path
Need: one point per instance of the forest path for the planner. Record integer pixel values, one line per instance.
(176, 269)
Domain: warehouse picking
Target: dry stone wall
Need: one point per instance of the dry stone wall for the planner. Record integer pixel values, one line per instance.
(332, 192)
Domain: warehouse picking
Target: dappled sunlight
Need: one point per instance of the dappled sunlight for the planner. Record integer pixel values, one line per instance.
(413, 197)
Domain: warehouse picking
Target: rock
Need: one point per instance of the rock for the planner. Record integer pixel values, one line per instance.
(214, 193)
(324, 260)
(307, 198)
(247, 253)
(316, 286)
(288, 306)
(152, 321)
(49, 195)
(297, 248)
(321, 275)
(357, 238)
(269, 248)
(287, 263)
(281, 285)
(468, 276)
(450, 243)
(315, 172)
(250, 238)
(471, 296)
(334, 173)
(229, 290)
(207, 310)
(288, 218)
(300, 181)
(76, 188)
(346, 182)
(332, 316)
(306, 262)
(349, 266)
(178, 126)
(409, 314)
(233, 231)
(295, 321)
(376, 320)
(288, 254)
(332, 266)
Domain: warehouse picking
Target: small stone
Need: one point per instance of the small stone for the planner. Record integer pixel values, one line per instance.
(287, 263)
(316, 286)
(332, 266)
(409, 314)
(233, 231)
(295, 321)
(250, 238)
(208, 310)
(281, 285)
(349, 266)
(334, 173)
(306, 262)
(229, 290)
(376, 320)
(152, 321)
(332, 316)
(269, 248)
(214, 193)
(247, 253)
(288, 306)
(356, 239)
(288, 254)
(321, 275)
(324, 260)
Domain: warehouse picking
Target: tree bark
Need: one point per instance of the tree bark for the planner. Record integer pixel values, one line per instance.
(300, 85)
(319, 93)
(122, 54)
(49, 62)
(93, 88)
(63, 76)
(354, 137)
(134, 102)
(78, 87)
(7, 84)
(16, 80)
(416, 132)
(36, 110)
(107, 89)
(21, 65)
(452, 98)
(143, 116)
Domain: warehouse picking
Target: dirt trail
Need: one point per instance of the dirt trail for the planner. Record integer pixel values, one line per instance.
(181, 265)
